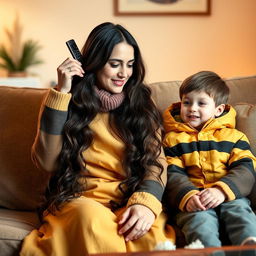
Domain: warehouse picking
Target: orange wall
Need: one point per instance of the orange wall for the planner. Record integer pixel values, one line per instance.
(173, 47)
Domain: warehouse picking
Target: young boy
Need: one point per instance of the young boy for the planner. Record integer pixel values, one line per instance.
(211, 169)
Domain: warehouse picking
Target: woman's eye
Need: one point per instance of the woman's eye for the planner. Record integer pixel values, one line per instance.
(114, 65)
(130, 65)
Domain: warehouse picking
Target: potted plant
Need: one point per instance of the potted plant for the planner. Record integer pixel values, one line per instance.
(20, 55)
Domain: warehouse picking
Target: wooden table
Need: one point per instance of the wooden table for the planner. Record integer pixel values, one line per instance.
(249, 250)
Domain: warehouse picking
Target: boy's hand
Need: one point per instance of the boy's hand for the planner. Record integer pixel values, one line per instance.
(211, 197)
(135, 222)
(194, 204)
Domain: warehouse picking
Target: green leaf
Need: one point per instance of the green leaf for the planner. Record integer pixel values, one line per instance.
(29, 55)
(7, 61)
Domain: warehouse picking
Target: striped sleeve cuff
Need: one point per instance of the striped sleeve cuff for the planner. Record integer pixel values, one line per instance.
(55, 113)
(185, 199)
(58, 100)
(228, 192)
(147, 200)
(153, 187)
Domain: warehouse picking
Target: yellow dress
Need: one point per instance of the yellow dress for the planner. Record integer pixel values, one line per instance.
(87, 225)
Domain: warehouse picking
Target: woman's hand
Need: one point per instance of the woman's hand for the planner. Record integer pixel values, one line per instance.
(136, 221)
(66, 71)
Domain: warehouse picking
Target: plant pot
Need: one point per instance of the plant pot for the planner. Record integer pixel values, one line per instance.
(17, 74)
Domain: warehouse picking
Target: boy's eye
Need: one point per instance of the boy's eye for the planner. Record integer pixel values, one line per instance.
(185, 102)
(202, 103)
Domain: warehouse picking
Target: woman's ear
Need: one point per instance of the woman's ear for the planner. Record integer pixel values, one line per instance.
(219, 110)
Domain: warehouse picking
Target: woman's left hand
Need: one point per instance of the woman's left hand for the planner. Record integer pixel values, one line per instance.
(135, 222)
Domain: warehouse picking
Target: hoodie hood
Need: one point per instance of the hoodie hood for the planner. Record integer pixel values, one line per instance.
(173, 121)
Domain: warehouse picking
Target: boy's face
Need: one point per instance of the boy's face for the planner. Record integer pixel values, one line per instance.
(197, 107)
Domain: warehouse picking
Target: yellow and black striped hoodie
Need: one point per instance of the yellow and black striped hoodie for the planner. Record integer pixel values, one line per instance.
(217, 155)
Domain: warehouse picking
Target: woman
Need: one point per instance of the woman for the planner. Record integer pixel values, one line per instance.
(100, 135)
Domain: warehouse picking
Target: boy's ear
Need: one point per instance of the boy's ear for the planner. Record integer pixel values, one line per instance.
(219, 110)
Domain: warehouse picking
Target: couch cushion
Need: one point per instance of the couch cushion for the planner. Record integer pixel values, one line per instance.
(14, 226)
(242, 89)
(165, 93)
(17, 224)
(246, 122)
(22, 186)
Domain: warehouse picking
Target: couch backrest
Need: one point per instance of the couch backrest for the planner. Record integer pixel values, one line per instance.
(22, 186)
(242, 89)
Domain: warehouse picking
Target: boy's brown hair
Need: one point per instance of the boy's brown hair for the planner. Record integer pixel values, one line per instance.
(208, 82)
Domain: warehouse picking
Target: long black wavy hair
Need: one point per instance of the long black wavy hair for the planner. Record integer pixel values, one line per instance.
(136, 121)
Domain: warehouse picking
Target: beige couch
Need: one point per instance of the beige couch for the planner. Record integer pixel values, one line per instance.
(22, 185)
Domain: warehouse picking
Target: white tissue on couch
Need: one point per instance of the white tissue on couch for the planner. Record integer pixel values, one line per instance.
(169, 245)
